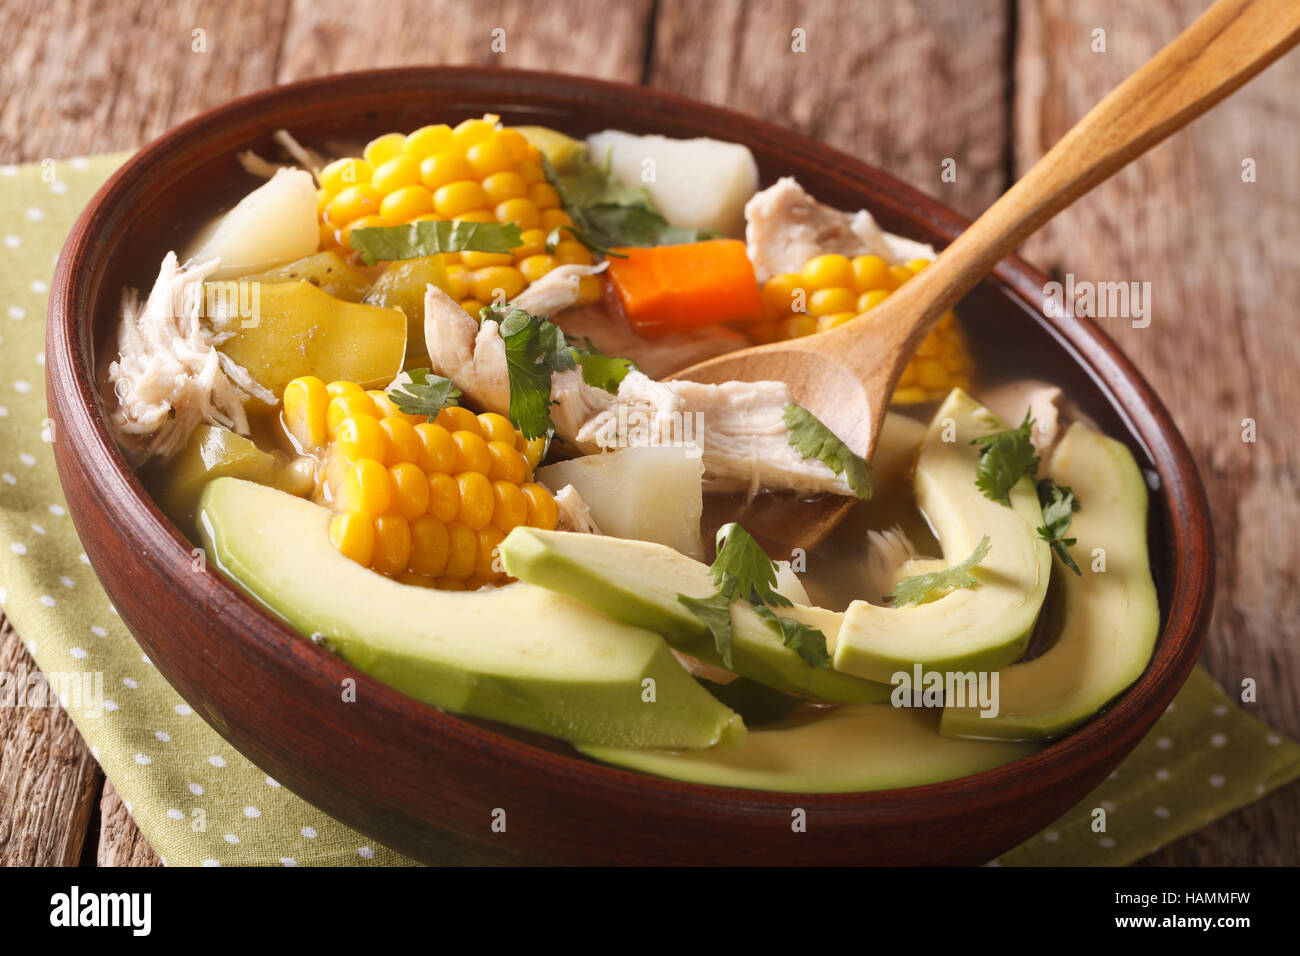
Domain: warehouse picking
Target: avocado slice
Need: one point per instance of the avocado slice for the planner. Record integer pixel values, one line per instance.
(1108, 619)
(638, 582)
(517, 654)
(977, 628)
(849, 749)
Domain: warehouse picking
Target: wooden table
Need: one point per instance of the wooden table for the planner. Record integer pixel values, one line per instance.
(987, 83)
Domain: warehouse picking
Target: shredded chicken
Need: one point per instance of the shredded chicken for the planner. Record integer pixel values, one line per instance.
(658, 356)
(473, 356)
(169, 375)
(887, 552)
(308, 159)
(573, 513)
(785, 227)
(1047, 405)
(555, 291)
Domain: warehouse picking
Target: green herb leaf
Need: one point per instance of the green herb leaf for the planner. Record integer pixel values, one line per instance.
(811, 439)
(1059, 505)
(426, 238)
(743, 571)
(1005, 458)
(604, 371)
(806, 641)
(715, 613)
(915, 589)
(424, 393)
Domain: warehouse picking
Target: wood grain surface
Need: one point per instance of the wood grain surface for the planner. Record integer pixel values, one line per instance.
(988, 83)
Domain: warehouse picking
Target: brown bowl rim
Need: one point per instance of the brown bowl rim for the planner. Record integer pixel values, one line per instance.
(1187, 524)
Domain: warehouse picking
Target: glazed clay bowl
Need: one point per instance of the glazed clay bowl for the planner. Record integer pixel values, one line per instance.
(427, 782)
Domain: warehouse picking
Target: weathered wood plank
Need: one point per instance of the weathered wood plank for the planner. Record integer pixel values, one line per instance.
(120, 841)
(48, 780)
(903, 85)
(1224, 339)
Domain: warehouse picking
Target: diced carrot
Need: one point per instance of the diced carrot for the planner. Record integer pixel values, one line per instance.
(688, 285)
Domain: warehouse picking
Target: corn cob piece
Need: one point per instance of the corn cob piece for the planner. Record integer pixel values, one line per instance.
(476, 171)
(424, 502)
(833, 289)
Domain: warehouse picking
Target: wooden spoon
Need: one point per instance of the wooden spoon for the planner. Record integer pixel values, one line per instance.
(845, 376)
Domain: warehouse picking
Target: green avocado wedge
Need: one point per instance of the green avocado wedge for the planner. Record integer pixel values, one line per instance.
(849, 749)
(517, 654)
(1108, 616)
(978, 628)
(637, 582)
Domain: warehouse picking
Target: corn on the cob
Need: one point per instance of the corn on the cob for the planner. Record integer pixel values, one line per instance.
(424, 502)
(833, 289)
(476, 171)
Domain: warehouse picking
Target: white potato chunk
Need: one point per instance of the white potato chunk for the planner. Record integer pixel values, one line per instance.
(647, 493)
(272, 225)
(696, 183)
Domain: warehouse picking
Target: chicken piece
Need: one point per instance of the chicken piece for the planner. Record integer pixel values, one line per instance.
(785, 227)
(659, 356)
(572, 512)
(1047, 405)
(471, 354)
(555, 291)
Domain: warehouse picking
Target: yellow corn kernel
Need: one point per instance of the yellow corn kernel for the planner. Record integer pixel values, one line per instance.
(552, 219)
(401, 170)
(456, 418)
(514, 141)
(462, 551)
(779, 292)
(347, 405)
(496, 284)
(392, 553)
(901, 274)
(441, 169)
(342, 173)
(484, 260)
(544, 195)
(590, 290)
(532, 243)
(509, 506)
(323, 198)
(472, 131)
(416, 580)
(352, 203)
(385, 407)
(797, 326)
(534, 267)
(508, 463)
(306, 401)
(403, 441)
(444, 496)
(475, 498)
(834, 319)
(474, 307)
(870, 272)
(523, 212)
(471, 452)
(448, 583)
(494, 427)
(908, 396)
(504, 185)
(488, 157)
(487, 565)
(353, 536)
(428, 140)
(930, 374)
(572, 252)
(361, 437)
(828, 271)
(344, 388)
(437, 450)
(430, 546)
(457, 281)
(367, 488)
(835, 299)
(533, 449)
(869, 300)
(477, 215)
(542, 512)
(530, 171)
(365, 222)
(459, 197)
(410, 490)
(406, 204)
(383, 148)
(916, 265)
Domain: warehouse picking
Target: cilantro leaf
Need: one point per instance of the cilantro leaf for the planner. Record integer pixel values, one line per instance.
(1005, 458)
(743, 571)
(918, 587)
(425, 238)
(604, 371)
(1059, 505)
(715, 613)
(811, 439)
(806, 641)
(423, 393)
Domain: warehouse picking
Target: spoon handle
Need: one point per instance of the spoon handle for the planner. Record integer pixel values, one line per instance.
(1229, 44)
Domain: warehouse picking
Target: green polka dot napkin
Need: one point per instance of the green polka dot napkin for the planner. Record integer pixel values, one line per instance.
(200, 803)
